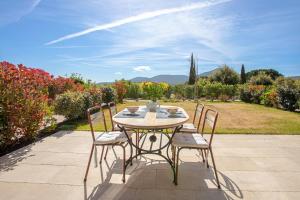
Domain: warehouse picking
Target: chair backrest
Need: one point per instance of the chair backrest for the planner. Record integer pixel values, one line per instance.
(96, 119)
(210, 119)
(198, 114)
(112, 111)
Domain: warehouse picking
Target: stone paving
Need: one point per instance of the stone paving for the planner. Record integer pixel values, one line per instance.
(249, 166)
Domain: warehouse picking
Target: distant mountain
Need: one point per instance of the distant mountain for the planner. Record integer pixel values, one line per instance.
(294, 77)
(171, 79)
(205, 74)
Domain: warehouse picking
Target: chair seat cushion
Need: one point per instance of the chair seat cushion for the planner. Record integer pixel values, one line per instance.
(189, 140)
(188, 127)
(111, 137)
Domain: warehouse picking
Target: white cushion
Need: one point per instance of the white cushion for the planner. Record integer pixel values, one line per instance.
(111, 137)
(188, 127)
(189, 140)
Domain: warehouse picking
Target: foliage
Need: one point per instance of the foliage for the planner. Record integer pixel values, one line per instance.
(270, 98)
(243, 77)
(251, 93)
(271, 72)
(288, 93)
(60, 85)
(225, 75)
(262, 78)
(193, 75)
(189, 91)
(107, 94)
(77, 78)
(133, 90)
(179, 91)
(70, 104)
(23, 102)
(152, 91)
(213, 90)
(120, 88)
(75, 104)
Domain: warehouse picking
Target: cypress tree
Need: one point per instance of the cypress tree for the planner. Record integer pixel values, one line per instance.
(243, 75)
(192, 77)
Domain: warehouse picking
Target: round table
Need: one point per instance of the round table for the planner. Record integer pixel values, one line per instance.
(151, 122)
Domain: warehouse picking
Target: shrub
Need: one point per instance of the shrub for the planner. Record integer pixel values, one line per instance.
(213, 90)
(120, 88)
(133, 90)
(75, 104)
(60, 85)
(225, 75)
(189, 91)
(270, 72)
(70, 104)
(261, 79)
(288, 91)
(179, 91)
(23, 102)
(152, 91)
(227, 92)
(270, 98)
(251, 93)
(107, 94)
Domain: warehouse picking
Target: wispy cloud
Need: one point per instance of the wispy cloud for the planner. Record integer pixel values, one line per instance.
(142, 68)
(140, 17)
(118, 73)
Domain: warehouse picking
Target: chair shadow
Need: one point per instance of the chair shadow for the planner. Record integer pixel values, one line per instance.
(229, 189)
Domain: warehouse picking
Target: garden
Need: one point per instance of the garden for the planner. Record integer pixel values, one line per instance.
(257, 102)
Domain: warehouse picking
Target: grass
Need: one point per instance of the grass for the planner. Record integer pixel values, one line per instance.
(235, 118)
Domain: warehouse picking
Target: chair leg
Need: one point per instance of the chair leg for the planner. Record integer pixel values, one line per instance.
(124, 163)
(106, 153)
(103, 147)
(89, 162)
(202, 155)
(206, 157)
(95, 156)
(176, 166)
(215, 168)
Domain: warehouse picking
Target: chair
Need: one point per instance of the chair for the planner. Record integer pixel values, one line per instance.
(193, 127)
(197, 141)
(113, 111)
(107, 138)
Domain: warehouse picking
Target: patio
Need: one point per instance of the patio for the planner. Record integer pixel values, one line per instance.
(250, 167)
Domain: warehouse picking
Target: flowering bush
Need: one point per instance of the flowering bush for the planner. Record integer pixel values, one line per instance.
(152, 91)
(75, 104)
(120, 88)
(107, 94)
(133, 90)
(270, 98)
(23, 93)
(60, 85)
(251, 93)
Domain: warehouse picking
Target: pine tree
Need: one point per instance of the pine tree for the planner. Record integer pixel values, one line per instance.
(243, 75)
(192, 77)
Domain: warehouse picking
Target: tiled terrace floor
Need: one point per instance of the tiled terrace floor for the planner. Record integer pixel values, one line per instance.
(250, 167)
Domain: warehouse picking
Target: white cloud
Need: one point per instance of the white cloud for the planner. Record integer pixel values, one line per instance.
(140, 17)
(142, 68)
(118, 73)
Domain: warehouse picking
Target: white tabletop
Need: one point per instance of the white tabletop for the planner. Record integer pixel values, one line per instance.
(150, 121)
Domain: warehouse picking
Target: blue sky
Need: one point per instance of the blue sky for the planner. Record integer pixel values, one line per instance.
(107, 40)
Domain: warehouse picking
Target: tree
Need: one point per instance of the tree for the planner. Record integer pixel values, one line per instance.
(225, 75)
(262, 78)
(243, 75)
(271, 72)
(192, 77)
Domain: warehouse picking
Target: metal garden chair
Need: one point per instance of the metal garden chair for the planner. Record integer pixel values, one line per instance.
(96, 118)
(197, 141)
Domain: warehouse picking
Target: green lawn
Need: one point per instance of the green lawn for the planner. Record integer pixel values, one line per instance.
(235, 117)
